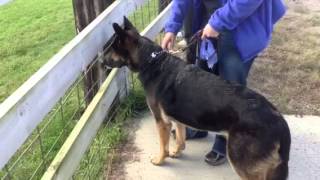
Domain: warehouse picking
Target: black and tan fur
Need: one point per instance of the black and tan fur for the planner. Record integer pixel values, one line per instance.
(258, 136)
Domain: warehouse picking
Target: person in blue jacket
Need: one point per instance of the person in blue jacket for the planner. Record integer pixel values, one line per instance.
(242, 28)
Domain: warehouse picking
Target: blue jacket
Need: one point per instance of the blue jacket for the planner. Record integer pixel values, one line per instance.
(251, 21)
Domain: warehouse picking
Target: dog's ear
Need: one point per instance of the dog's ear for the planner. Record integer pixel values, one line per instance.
(127, 24)
(118, 30)
(124, 33)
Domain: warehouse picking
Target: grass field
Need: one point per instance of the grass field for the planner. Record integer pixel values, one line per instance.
(31, 31)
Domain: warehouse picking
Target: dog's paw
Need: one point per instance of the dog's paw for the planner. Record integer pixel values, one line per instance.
(182, 146)
(175, 154)
(157, 161)
(177, 151)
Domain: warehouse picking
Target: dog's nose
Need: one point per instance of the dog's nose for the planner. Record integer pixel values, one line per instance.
(101, 60)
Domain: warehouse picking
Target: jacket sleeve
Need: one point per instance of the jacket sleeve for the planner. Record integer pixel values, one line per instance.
(233, 13)
(178, 12)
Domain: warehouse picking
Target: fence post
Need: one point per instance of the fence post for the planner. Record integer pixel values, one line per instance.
(85, 12)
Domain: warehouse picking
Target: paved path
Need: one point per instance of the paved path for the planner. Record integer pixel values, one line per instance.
(304, 163)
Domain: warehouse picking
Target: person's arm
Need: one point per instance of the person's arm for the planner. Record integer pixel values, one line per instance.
(178, 12)
(233, 13)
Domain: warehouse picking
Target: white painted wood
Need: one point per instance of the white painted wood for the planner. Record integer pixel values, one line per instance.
(69, 156)
(122, 83)
(27, 106)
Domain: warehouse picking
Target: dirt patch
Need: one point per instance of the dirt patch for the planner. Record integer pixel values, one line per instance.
(309, 5)
(288, 72)
(126, 152)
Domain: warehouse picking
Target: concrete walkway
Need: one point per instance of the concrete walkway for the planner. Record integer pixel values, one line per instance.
(304, 162)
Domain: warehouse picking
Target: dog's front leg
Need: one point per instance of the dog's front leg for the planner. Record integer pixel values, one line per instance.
(180, 140)
(164, 133)
(164, 128)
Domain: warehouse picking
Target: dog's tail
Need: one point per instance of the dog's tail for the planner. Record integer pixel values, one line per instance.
(282, 170)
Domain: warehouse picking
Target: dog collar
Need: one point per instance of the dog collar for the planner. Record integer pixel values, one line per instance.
(156, 54)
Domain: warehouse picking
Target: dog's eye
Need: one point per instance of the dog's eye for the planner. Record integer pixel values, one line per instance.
(117, 43)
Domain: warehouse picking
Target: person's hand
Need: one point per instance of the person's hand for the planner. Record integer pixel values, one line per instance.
(168, 41)
(209, 32)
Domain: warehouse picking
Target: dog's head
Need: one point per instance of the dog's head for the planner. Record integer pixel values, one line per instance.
(127, 47)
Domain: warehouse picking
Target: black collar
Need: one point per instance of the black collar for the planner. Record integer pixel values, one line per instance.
(156, 55)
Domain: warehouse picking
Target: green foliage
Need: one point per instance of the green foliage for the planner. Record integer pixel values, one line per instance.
(31, 32)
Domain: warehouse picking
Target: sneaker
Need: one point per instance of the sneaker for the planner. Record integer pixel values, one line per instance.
(215, 159)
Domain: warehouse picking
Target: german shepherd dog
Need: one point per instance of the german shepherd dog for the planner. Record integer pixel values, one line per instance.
(258, 137)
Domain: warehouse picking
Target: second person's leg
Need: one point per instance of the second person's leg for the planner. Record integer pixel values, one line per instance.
(232, 68)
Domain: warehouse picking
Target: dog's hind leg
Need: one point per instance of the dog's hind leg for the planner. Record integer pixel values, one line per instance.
(278, 173)
(164, 133)
(251, 158)
(180, 140)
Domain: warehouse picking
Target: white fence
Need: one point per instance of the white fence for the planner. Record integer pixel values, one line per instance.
(29, 104)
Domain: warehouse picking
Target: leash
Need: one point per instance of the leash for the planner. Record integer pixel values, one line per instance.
(194, 39)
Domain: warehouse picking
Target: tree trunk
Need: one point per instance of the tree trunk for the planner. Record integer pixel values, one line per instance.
(85, 11)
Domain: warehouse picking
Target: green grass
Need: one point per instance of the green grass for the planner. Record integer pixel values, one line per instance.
(31, 31)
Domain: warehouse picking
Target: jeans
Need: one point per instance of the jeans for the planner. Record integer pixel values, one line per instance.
(230, 67)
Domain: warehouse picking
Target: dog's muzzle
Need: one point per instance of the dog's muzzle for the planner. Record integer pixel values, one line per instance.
(100, 59)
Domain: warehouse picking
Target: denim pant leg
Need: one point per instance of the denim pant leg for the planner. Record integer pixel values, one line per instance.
(232, 68)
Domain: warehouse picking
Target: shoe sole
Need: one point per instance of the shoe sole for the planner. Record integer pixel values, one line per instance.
(217, 163)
